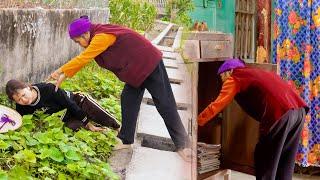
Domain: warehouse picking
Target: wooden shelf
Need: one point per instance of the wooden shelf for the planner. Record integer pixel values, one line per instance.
(212, 175)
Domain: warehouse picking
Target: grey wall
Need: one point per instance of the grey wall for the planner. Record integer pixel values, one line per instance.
(34, 42)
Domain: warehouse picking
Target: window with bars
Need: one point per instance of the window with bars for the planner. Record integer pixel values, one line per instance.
(245, 30)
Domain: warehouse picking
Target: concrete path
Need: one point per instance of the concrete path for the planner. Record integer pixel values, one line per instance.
(152, 153)
(155, 164)
(153, 156)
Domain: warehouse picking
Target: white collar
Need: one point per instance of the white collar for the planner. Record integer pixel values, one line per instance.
(38, 97)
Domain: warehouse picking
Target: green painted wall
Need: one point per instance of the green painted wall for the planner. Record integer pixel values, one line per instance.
(226, 16)
(205, 13)
(218, 18)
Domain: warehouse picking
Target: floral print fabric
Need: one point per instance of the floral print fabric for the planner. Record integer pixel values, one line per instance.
(296, 50)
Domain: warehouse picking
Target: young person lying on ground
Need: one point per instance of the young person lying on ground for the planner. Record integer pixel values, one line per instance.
(80, 108)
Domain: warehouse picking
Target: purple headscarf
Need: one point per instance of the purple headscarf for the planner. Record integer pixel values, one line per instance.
(231, 64)
(79, 26)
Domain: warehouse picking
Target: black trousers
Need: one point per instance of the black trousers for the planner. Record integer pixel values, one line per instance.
(275, 153)
(157, 83)
(94, 112)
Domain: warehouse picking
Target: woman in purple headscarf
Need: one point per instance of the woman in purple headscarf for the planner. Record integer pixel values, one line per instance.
(135, 61)
(272, 102)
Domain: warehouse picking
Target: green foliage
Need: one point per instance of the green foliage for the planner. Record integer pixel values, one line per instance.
(44, 149)
(139, 15)
(4, 100)
(177, 11)
(101, 84)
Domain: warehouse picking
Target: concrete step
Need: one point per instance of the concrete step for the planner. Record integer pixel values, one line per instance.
(175, 76)
(170, 55)
(151, 123)
(173, 60)
(164, 48)
(183, 100)
(170, 37)
(170, 64)
(158, 39)
(154, 164)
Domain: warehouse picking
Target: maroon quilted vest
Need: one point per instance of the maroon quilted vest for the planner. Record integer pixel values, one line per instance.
(265, 96)
(132, 58)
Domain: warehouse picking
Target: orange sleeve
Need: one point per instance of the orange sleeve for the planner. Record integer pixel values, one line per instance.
(98, 44)
(227, 93)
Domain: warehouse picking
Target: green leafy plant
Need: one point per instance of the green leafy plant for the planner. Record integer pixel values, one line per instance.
(101, 84)
(139, 15)
(5, 101)
(44, 149)
(177, 11)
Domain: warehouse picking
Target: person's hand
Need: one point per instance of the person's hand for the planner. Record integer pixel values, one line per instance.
(94, 128)
(58, 77)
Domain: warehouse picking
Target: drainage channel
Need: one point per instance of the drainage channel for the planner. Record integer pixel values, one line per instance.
(169, 38)
(152, 156)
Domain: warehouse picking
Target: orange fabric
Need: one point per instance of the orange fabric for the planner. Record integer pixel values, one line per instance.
(98, 44)
(227, 93)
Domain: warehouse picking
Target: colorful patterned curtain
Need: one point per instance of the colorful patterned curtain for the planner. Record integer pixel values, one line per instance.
(296, 50)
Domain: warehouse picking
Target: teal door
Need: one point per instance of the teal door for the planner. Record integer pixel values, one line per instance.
(205, 11)
(218, 14)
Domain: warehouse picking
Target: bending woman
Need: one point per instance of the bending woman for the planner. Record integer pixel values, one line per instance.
(135, 61)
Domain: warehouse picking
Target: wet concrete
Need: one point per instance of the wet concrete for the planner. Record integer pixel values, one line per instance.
(119, 161)
(155, 164)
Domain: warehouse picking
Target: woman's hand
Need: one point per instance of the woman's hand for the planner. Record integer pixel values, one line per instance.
(58, 77)
(94, 128)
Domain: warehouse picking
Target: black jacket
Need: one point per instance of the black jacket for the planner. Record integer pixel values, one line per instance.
(52, 102)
